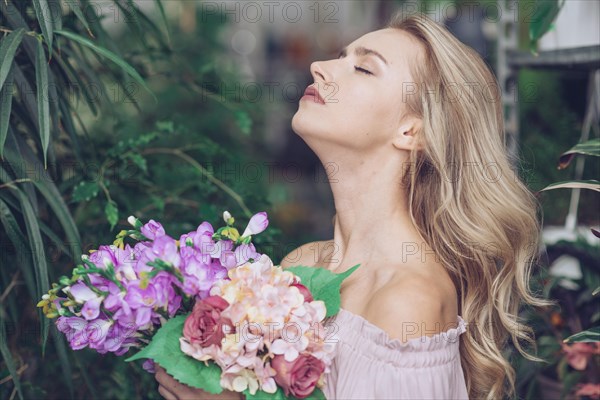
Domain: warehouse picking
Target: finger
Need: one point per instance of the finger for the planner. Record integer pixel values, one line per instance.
(168, 382)
(166, 394)
(162, 377)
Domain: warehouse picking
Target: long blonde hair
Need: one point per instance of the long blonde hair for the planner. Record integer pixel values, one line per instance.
(469, 204)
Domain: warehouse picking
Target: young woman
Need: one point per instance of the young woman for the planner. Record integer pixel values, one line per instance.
(427, 202)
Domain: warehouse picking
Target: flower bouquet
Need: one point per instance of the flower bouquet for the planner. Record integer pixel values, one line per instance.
(209, 308)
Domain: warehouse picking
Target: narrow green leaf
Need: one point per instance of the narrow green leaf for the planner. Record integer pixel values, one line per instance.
(56, 13)
(21, 245)
(164, 349)
(27, 98)
(39, 256)
(85, 376)
(8, 358)
(110, 55)
(69, 127)
(8, 48)
(323, 284)
(82, 86)
(161, 9)
(590, 184)
(44, 17)
(75, 6)
(132, 17)
(591, 335)
(85, 191)
(544, 14)
(43, 102)
(63, 357)
(590, 148)
(6, 95)
(596, 291)
(112, 213)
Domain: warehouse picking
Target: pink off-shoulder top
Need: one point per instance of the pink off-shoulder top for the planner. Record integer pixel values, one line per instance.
(368, 364)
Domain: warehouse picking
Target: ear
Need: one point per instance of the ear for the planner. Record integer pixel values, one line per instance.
(407, 136)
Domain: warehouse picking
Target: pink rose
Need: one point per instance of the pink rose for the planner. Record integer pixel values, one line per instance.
(204, 326)
(299, 376)
(304, 291)
(591, 390)
(579, 353)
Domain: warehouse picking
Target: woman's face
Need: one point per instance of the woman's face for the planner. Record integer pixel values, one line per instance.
(362, 91)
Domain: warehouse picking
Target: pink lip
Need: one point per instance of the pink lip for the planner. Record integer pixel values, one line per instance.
(311, 92)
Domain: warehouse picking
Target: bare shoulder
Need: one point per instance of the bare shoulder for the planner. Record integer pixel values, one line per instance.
(308, 254)
(414, 306)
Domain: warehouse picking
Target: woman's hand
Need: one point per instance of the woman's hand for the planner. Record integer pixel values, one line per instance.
(170, 389)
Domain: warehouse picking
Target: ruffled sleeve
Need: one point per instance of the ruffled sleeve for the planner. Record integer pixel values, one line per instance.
(368, 364)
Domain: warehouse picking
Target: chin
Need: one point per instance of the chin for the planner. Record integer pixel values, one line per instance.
(304, 126)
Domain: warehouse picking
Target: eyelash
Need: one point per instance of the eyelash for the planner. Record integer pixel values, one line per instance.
(362, 70)
(359, 69)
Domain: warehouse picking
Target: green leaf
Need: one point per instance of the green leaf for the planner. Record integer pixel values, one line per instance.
(85, 191)
(63, 357)
(20, 243)
(84, 87)
(590, 184)
(8, 48)
(54, 198)
(545, 13)
(164, 349)
(56, 13)
(596, 291)
(39, 256)
(44, 17)
(164, 18)
(6, 95)
(590, 148)
(8, 358)
(110, 55)
(317, 394)
(138, 160)
(43, 102)
(74, 5)
(112, 213)
(243, 121)
(323, 284)
(591, 335)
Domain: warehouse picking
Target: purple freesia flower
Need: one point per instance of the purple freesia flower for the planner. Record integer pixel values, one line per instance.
(74, 330)
(104, 256)
(153, 230)
(91, 308)
(244, 252)
(82, 293)
(228, 259)
(257, 224)
(196, 274)
(97, 332)
(165, 248)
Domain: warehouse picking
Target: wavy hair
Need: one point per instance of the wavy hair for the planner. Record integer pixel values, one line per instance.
(469, 204)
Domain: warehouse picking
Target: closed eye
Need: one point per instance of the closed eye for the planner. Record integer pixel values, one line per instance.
(362, 70)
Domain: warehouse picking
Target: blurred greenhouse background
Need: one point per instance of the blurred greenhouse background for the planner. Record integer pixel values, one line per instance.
(179, 109)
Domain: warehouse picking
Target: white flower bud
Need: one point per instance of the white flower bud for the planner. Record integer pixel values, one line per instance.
(226, 216)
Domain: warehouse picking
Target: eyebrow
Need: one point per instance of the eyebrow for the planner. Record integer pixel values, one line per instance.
(363, 51)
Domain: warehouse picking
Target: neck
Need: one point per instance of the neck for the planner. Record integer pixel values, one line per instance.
(372, 226)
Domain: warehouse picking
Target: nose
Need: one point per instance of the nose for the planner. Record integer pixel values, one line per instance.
(318, 72)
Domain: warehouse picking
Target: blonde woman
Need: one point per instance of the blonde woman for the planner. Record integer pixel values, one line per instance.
(426, 201)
